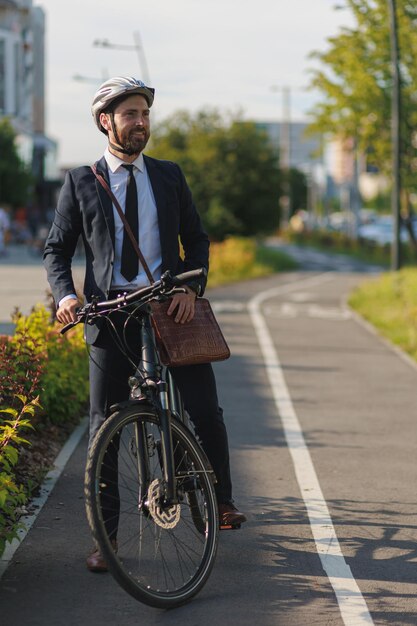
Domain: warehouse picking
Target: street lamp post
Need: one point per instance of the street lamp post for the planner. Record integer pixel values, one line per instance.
(105, 43)
(88, 79)
(285, 149)
(396, 137)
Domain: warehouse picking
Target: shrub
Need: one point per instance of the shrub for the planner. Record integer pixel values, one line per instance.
(240, 258)
(12, 495)
(36, 362)
(64, 378)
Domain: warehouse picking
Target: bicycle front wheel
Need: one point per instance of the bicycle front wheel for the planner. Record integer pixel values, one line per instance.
(163, 556)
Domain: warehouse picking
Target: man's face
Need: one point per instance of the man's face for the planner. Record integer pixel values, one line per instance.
(132, 123)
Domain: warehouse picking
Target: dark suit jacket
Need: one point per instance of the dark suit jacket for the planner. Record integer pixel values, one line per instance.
(84, 209)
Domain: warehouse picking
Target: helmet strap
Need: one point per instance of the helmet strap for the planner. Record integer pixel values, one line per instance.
(120, 149)
(118, 146)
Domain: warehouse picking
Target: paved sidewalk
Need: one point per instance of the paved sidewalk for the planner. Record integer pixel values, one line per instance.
(23, 283)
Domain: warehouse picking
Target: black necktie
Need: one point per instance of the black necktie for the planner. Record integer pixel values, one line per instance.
(130, 262)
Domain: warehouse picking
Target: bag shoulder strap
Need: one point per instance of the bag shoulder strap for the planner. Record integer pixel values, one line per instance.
(131, 236)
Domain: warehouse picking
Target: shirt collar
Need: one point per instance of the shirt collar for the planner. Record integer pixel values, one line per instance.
(115, 163)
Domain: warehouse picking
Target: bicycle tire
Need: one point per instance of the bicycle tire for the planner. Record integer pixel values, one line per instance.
(160, 565)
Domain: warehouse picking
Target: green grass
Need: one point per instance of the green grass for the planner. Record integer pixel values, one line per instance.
(389, 303)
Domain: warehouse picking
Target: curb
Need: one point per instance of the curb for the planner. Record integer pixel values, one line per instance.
(45, 490)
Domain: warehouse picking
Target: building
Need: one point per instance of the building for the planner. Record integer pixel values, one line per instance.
(295, 147)
(22, 92)
(334, 172)
(349, 169)
(301, 151)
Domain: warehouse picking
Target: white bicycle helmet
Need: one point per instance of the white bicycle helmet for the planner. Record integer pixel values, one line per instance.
(113, 89)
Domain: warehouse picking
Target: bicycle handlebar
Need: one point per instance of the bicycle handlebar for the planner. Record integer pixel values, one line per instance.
(160, 287)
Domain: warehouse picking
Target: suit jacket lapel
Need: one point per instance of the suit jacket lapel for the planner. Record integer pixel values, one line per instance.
(105, 200)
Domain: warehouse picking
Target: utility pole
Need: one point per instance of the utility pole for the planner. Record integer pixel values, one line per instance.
(396, 138)
(142, 58)
(285, 149)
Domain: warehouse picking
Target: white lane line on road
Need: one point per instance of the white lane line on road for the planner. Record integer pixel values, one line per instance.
(352, 605)
(45, 491)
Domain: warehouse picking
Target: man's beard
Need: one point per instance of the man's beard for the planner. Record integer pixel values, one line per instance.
(133, 143)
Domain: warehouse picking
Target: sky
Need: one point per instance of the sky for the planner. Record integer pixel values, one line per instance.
(229, 55)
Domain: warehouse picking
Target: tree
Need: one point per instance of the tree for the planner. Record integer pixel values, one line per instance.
(298, 189)
(231, 168)
(356, 83)
(15, 179)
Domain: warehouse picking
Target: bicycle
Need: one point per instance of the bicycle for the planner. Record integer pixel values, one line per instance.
(147, 475)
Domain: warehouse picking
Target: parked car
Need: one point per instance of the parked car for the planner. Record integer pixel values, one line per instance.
(381, 231)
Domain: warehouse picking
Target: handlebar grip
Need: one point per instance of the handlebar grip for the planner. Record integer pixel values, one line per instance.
(185, 277)
(68, 327)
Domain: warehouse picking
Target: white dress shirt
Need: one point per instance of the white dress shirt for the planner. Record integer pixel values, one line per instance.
(149, 242)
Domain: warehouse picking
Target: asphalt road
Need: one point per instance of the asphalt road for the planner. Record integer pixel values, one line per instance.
(325, 380)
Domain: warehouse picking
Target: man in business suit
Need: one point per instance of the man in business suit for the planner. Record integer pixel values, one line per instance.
(163, 213)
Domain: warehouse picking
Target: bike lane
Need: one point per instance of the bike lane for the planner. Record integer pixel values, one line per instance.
(354, 397)
(256, 579)
(269, 572)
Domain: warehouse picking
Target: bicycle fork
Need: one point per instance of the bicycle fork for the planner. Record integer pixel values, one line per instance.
(167, 447)
(162, 393)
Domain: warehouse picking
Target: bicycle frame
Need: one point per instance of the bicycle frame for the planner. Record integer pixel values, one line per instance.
(150, 384)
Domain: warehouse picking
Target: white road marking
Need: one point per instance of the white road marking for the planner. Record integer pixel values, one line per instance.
(286, 309)
(352, 605)
(302, 296)
(289, 309)
(329, 313)
(228, 306)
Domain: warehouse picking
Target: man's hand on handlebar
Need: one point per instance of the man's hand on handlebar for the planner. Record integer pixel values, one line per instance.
(67, 312)
(183, 305)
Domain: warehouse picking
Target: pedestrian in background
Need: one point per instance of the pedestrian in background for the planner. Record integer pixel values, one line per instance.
(4, 230)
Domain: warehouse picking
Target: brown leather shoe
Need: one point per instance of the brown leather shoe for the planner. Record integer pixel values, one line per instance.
(229, 516)
(96, 562)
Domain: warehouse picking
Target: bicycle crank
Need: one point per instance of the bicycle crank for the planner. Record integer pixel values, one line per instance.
(165, 517)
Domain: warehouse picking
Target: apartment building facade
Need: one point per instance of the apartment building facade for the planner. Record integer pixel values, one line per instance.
(22, 90)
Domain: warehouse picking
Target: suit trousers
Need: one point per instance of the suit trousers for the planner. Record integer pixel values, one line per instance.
(109, 372)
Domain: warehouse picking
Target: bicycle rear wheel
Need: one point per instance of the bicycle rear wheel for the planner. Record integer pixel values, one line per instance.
(164, 557)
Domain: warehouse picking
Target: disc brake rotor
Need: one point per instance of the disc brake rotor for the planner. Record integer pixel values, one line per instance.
(167, 517)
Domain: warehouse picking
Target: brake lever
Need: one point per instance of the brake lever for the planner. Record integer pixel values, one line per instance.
(83, 314)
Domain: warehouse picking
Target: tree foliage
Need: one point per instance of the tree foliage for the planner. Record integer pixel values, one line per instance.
(355, 78)
(15, 179)
(297, 181)
(231, 168)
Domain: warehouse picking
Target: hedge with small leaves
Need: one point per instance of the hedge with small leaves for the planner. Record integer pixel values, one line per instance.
(44, 379)
(12, 495)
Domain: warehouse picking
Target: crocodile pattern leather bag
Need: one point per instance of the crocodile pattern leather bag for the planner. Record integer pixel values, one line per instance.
(193, 343)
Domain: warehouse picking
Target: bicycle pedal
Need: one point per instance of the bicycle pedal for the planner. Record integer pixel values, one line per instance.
(230, 526)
